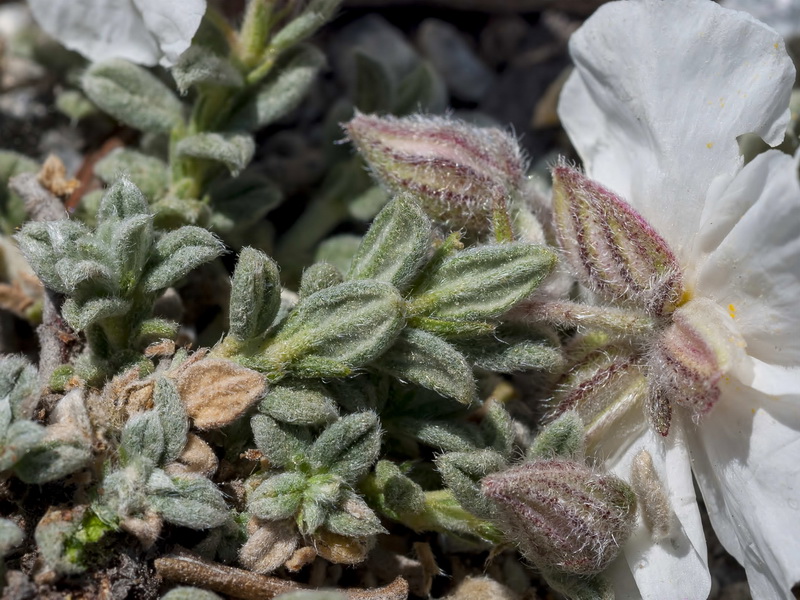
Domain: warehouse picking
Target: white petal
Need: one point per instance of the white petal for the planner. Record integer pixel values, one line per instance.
(172, 24)
(746, 462)
(143, 32)
(750, 232)
(782, 15)
(659, 93)
(676, 567)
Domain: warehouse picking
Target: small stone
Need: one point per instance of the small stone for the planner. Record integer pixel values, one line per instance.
(467, 77)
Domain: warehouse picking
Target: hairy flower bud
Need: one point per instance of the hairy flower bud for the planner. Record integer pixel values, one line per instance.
(460, 174)
(614, 250)
(564, 516)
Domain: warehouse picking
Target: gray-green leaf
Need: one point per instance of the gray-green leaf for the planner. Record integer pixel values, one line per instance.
(132, 95)
(427, 360)
(234, 150)
(396, 245)
(255, 294)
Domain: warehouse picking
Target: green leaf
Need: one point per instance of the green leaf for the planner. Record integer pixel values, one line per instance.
(394, 492)
(375, 88)
(133, 239)
(147, 173)
(319, 276)
(44, 243)
(255, 294)
(10, 536)
(76, 273)
(132, 95)
(174, 422)
(283, 445)
(143, 436)
(299, 403)
(422, 90)
(444, 435)
(348, 447)
(462, 473)
(483, 282)
(336, 330)
(305, 25)
(282, 92)
(422, 358)
(354, 518)
(53, 460)
(234, 150)
(199, 65)
(80, 316)
(195, 503)
(20, 438)
(122, 201)
(396, 245)
(279, 497)
(177, 253)
(497, 429)
(563, 438)
(242, 202)
(19, 388)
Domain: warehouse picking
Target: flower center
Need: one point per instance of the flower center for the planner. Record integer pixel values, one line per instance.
(689, 359)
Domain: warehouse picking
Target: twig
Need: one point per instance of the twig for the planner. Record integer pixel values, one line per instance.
(190, 570)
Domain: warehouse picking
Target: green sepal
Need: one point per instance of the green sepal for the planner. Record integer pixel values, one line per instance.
(148, 173)
(299, 403)
(319, 276)
(195, 503)
(281, 92)
(255, 294)
(427, 360)
(462, 473)
(177, 253)
(396, 245)
(132, 95)
(279, 497)
(199, 65)
(482, 282)
(335, 331)
(234, 150)
(348, 447)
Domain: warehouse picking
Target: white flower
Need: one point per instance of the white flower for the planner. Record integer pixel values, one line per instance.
(660, 92)
(142, 31)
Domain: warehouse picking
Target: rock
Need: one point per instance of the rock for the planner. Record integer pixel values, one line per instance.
(466, 76)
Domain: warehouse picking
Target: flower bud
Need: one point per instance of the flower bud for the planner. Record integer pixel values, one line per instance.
(614, 250)
(459, 173)
(564, 516)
